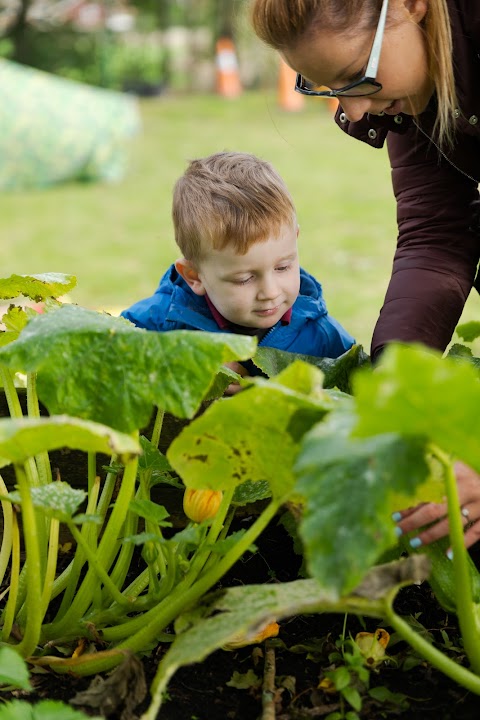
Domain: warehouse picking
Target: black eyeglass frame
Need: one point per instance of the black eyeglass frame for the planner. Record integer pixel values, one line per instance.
(370, 71)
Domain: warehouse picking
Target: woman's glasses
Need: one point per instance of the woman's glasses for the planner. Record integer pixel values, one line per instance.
(366, 85)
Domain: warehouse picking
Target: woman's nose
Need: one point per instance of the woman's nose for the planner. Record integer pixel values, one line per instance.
(355, 107)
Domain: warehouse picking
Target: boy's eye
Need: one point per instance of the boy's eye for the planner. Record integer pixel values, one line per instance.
(243, 281)
(282, 268)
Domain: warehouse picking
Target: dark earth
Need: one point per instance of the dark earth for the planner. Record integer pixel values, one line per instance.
(301, 655)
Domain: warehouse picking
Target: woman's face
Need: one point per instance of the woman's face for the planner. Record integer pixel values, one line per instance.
(337, 59)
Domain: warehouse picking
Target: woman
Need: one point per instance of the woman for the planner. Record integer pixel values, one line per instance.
(406, 72)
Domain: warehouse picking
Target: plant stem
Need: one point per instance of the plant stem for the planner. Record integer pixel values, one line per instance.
(157, 428)
(439, 660)
(154, 621)
(33, 409)
(105, 554)
(463, 587)
(97, 567)
(51, 565)
(34, 614)
(7, 531)
(9, 611)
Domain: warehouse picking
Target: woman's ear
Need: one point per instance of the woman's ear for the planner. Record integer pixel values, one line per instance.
(190, 274)
(416, 9)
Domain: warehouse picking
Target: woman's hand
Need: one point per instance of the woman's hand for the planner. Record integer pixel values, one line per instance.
(412, 519)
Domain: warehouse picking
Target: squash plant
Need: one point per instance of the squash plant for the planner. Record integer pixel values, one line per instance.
(348, 461)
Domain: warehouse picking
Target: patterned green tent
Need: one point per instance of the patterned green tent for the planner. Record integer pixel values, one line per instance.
(53, 130)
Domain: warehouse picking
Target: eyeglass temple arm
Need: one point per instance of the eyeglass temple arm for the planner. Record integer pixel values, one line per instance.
(372, 66)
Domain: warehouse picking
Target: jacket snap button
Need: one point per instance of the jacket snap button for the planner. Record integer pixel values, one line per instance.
(398, 119)
(456, 113)
(473, 120)
(342, 117)
(372, 134)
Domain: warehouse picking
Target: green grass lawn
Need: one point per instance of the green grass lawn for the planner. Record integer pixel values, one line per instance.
(118, 239)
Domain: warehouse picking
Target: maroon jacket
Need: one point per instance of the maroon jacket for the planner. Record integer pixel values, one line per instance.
(438, 207)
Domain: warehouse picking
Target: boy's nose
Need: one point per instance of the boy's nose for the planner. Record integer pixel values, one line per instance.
(268, 289)
(355, 107)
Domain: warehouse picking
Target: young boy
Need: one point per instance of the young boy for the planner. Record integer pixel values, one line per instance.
(236, 226)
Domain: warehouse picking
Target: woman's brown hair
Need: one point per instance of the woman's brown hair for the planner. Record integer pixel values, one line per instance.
(284, 24)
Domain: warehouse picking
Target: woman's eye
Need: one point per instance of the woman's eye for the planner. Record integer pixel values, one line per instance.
(358, 76)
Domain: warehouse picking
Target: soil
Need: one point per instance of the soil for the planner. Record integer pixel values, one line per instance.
(301, 653)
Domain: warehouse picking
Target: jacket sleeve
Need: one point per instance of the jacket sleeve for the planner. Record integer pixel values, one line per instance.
(438, 245)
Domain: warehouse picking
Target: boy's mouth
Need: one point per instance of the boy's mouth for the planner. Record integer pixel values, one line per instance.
(267, 312)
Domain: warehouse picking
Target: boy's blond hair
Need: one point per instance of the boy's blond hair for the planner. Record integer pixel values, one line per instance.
(285, 24)
(229, 198)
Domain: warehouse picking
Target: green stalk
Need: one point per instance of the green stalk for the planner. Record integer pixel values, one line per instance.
(463, 587)
(92, 469)
(33, 409)
(436, 658)
(157, 428)
(106, 552)
(76, 565)
(33, 567)
(9, 611)
(51, 565)
(154, 621)
(6, 548)
(94, 563)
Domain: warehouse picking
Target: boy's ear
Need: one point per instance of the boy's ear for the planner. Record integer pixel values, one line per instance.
(189, 273)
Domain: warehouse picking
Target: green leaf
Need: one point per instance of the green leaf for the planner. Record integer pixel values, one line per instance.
(348, 485)
(150, 511)
(253, 436)
(36, 287)
(142, 538)
(13, 669)
(352, 696)
(15, 319)
(44, 710)
(24, 438)
(57, 499)
(94, 366)
(250, 492)
(414, 392)
(337, 372)
(151, 458)
(468, 331)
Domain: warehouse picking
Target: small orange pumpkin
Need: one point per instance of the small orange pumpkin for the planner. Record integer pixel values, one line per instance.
(201, 505)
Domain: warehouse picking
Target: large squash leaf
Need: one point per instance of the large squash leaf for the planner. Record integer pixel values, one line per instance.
(252, 437)
(94, 366)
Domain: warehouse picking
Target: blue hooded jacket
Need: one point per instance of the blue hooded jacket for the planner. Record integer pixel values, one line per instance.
(311, 330)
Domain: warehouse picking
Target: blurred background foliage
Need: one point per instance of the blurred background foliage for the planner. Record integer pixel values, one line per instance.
(143, 45)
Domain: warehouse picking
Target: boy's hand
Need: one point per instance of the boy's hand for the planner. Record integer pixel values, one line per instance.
(234, 388)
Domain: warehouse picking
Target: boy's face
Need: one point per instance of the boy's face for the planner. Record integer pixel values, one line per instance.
(255, 289)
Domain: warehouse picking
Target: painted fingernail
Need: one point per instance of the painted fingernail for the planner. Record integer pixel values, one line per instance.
(450, 554)
(415, 542)
(398, 531)
(396, 516)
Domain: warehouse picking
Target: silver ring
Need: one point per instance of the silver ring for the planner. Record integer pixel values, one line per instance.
(465, 512)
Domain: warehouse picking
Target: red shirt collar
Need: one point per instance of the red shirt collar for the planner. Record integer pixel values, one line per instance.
(224, 324)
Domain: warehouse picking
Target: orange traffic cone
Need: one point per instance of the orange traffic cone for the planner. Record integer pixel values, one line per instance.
(288, 99)
(227, 75)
